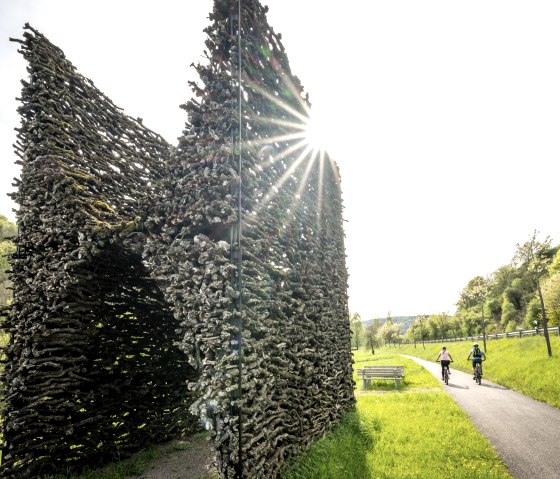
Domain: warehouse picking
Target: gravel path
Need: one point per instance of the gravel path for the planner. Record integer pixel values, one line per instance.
(524, 432)
(190, 459)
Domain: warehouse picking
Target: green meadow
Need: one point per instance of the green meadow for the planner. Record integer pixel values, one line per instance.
(414, 432)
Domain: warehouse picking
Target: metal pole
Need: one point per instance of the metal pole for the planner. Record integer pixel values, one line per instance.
(236, 238)
(239, 238)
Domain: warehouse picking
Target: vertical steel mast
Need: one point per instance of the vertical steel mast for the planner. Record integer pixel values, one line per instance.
(237, 232)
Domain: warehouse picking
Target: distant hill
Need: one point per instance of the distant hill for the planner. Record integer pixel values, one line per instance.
(403, 321)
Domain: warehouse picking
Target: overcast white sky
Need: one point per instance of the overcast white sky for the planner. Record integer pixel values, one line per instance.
(445, 118)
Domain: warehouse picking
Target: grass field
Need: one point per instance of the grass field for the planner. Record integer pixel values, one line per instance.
(521, 364)
(415, 432)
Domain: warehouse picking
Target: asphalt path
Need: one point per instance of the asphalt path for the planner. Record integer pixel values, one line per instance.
(524, 432)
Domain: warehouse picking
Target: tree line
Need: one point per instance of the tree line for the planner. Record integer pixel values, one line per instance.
(8, 231)
(522, 294)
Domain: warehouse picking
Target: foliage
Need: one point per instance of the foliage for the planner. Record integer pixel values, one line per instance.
(418, 329)
(535, 254)
(389, 332)
(507, 296)
(538, 257)
(510, 315)
(7, 231)
(533, 314)
(551, 297)
(371, 334)
(474, 294)
(404, 322)
(555, 265)
(357, 328)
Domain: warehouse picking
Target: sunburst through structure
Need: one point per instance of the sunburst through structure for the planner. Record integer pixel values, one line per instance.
(298, 134)
(240, 226)
(267, 247)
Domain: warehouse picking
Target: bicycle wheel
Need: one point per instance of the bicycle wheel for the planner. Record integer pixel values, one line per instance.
(446, 375)
(478, 374)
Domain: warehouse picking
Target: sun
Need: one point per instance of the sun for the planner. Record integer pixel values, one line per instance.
(319, 131)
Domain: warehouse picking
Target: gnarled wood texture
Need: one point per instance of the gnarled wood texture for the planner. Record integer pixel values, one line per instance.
(134, 284)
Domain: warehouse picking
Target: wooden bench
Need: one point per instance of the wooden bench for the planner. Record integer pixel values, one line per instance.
(375, 373)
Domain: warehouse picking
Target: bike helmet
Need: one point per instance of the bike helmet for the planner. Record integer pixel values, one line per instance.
(475, 345)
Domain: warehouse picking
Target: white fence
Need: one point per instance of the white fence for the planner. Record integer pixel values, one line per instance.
(511, 334)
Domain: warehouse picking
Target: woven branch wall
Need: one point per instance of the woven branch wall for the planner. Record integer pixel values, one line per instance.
(296, 374)
(128, 247)
(91, 372)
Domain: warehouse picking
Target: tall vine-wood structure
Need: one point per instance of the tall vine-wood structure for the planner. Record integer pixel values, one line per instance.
(158, 285)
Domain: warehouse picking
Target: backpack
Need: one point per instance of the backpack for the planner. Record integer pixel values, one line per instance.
(477, 353)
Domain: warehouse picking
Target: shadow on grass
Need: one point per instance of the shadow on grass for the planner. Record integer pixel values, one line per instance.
(341, 453)
(385, 386)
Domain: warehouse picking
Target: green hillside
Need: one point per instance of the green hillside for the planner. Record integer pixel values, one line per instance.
(403, 321)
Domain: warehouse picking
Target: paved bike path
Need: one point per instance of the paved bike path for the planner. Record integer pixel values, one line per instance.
(524, 432)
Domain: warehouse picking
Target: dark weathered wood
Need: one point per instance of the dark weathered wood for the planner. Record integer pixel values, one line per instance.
(129, 288)
(92, 370)
(296, 377)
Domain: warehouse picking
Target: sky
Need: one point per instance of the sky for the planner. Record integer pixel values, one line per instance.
(444, 117)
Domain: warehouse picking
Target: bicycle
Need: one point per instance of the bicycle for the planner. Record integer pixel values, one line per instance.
(446, 373)
(478, 373)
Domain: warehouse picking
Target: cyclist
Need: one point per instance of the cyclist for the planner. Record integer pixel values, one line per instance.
(477, 356)
(445, 358)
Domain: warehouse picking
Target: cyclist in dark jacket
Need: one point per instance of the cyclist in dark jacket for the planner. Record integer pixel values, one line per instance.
(477, 356)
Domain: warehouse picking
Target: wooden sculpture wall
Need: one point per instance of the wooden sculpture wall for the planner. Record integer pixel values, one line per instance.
(151, 281)
(289, 290)
(91, 369)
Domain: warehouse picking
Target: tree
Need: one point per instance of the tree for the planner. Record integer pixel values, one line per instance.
(389, 319)
(551, 296)
(474, 293)
(455, 326)
(419, 328)
(510, 316)
(472, 298)
(421, 321)
(444, 323)
(536, 256)
(357, 328)
(8, 230)
(371, 334)
(533, 313)
(555, 265)
(389, 332)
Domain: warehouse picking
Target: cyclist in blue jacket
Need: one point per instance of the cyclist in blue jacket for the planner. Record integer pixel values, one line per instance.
(477, 356)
